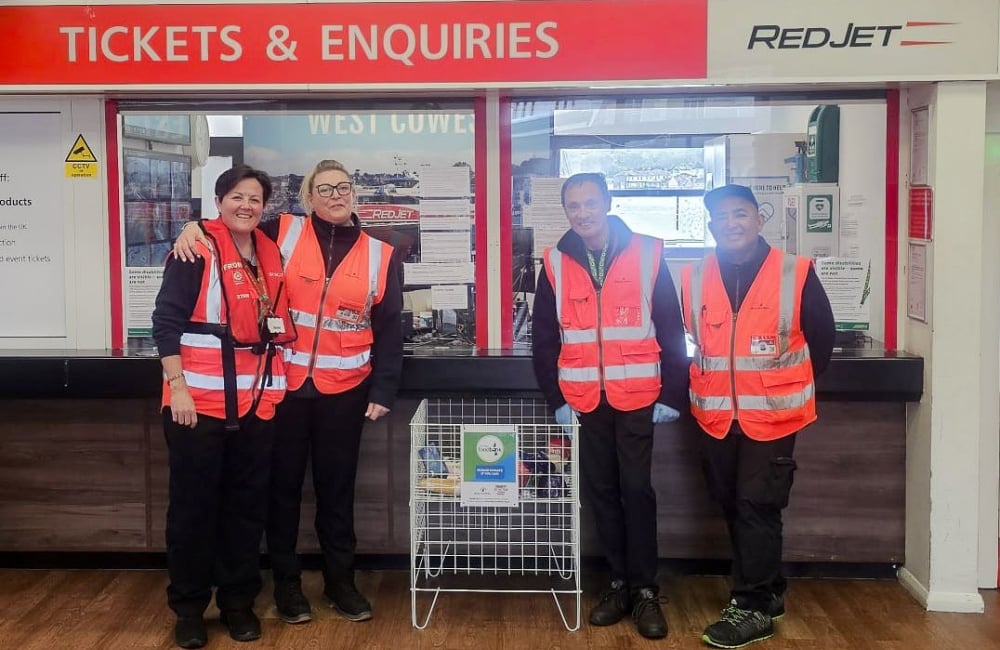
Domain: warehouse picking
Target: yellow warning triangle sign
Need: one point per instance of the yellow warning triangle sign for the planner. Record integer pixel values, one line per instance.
(80, 151)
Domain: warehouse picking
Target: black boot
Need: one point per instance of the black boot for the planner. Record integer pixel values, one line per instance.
(243, 624)
(647, 614)
(290, 602)
(190, 632)
(612, 606)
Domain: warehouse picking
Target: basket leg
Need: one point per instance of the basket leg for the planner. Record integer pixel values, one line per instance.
(420, 625)
(570, 626)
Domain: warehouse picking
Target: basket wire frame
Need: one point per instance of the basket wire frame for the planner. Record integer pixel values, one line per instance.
(533, 548)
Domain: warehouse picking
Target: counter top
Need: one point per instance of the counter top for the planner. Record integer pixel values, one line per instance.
(869, 374)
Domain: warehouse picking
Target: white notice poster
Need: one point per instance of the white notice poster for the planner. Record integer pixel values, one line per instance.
(32, 239)
(847, 283)
(143, 285)
(916, 281)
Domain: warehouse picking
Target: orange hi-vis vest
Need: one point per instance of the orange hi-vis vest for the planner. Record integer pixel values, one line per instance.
(608, 337)
(752, 366)
(333, 316)
(225, 333)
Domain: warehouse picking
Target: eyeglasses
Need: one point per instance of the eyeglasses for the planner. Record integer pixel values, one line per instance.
(326, 190)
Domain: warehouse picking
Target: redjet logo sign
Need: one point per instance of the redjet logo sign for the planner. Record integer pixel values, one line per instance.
(912, 32)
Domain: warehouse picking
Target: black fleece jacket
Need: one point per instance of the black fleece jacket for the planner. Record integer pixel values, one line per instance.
(173, 308)
(816, 317)
(666, 315)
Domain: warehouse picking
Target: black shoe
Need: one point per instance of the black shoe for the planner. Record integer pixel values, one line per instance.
(738, 627)
(291, 603)
(190, 632)
(243, 624)
(647, 614)
(348, 601)
(612, 606)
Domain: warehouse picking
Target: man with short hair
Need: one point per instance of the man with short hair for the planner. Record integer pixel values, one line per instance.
(608, 344)
(763, 330)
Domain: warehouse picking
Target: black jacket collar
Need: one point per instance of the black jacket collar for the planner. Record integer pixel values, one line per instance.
(324, 228)
(619, 237)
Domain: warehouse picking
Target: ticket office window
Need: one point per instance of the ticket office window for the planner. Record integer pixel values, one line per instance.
(660, 154)
(412, 166)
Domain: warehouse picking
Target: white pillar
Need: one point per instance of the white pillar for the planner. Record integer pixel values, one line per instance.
(945, 430)
(492, 252)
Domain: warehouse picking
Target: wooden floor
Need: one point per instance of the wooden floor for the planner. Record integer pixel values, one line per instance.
(55, 610)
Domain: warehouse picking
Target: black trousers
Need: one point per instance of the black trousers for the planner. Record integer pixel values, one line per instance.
(751, 481)
(217, 510)
(616, 449)
(327, 428)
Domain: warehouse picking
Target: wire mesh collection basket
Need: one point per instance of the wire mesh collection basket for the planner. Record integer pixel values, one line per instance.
(531, 544)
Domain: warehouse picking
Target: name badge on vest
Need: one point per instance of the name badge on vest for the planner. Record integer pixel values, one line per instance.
(349, 314)
(275, 325)
(627, 316)
(764, 345)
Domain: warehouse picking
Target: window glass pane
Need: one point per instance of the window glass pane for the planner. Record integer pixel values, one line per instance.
(639, 169)
(660, 154)
(412, 168)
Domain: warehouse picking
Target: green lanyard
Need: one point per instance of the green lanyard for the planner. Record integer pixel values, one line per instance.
(597, 270)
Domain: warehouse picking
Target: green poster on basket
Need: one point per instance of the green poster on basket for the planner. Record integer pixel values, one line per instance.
(489, 465)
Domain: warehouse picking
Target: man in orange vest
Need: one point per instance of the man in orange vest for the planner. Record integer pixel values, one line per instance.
(608, 344)
(763, 329)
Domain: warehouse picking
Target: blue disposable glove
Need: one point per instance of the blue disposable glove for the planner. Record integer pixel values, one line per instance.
(663, 413)
(564, 416)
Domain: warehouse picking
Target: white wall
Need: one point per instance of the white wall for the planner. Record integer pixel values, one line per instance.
(989, 456)
(85, 215)
(945, 430)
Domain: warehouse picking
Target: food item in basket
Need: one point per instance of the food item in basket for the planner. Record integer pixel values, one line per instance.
(433, 464)
(558, 451)
(523, 473)
(447, 485)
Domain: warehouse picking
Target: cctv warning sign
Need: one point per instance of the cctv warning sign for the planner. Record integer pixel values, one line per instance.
(81, 161)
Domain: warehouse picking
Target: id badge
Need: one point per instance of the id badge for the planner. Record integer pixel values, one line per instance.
(764, 345)
(275, 325)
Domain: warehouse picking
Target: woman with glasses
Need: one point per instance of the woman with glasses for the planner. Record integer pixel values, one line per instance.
(346, 300)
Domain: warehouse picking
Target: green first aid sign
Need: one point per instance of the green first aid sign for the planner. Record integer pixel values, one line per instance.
(819, 213)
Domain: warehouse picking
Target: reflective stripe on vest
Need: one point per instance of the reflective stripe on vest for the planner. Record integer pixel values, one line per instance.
(329, 361)
(243, 382)
(291, 237)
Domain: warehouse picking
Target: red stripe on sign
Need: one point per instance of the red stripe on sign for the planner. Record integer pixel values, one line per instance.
(923, 23)
(925, 42)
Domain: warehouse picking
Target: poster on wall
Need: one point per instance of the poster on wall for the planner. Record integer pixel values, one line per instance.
(157, 193)
(32, 216)
(847, 283)
(414, 184)
(916, 281)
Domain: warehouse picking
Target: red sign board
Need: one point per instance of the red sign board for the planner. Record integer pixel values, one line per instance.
(921, 212)
(338, 44)
(371, 213)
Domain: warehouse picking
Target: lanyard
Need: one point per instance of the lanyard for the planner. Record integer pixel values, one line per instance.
(257, 280)
(597, 270)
